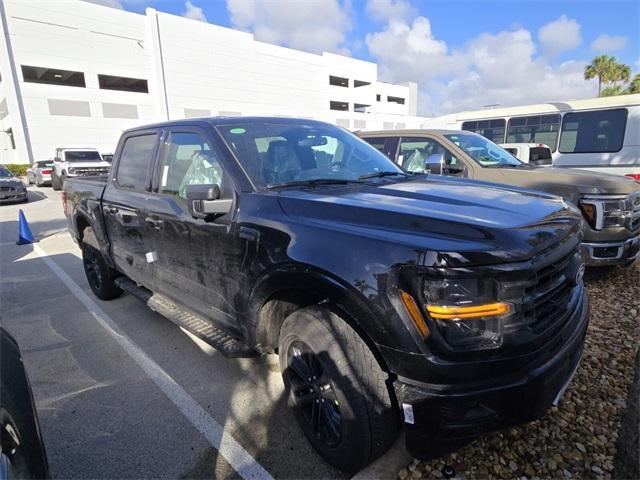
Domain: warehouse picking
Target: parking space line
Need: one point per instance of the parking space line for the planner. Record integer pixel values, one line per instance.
(241, 461)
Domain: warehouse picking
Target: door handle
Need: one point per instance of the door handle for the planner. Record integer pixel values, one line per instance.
(111, 210)
(156, 223)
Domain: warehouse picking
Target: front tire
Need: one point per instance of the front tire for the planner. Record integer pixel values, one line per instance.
(56, 184)
(336, 388)
(100, 276)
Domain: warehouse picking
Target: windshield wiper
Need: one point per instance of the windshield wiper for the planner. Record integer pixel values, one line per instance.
(381, 174)
(312, 182)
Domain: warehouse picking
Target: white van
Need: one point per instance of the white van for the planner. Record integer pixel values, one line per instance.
(599, 134)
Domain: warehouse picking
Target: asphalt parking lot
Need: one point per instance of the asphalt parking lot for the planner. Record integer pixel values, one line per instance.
(123, 392)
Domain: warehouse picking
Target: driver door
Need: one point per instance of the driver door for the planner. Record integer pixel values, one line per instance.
(197, 262)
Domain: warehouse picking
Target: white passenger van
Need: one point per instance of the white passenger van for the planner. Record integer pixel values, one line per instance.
(600, 134)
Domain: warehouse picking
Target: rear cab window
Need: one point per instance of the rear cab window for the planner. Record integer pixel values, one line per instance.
(135, 159)
(540, 156)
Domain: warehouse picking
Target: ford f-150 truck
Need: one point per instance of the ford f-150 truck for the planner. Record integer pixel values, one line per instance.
(610, 204)
(451, 305)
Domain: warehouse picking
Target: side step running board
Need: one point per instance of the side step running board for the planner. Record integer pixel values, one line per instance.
(195, 324)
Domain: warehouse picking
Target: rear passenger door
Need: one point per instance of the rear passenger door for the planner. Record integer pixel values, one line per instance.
(124, 206)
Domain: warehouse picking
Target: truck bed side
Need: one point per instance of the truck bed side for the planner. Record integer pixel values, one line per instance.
(83, 208)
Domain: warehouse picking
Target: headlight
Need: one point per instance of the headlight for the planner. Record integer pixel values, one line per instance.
(466, 311)
(72, 170)
(603, 211)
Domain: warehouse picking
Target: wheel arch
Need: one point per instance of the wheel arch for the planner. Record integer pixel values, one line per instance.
(282, 293)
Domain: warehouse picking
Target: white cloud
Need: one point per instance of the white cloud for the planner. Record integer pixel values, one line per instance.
(311, 25)
(409, 51)
(501, 68)
(107, 3)
(560, 35)
(386, 10)
(609, 43)
(193, 12)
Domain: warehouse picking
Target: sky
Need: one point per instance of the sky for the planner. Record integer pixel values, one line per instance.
(462, 54)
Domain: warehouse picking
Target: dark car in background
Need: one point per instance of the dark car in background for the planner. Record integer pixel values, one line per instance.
(453, 305)
(12, 189)
(610, 204)
(22, 451)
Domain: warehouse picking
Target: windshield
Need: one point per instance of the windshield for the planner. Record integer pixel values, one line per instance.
(4, 173)
(279, 154)
(484, 151)
(44, 163)
(82, 156)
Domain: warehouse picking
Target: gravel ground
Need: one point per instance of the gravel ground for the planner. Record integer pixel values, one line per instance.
(578, 438)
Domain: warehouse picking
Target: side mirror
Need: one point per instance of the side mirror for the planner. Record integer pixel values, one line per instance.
(434, 163)
(204, 201)
(57, 159)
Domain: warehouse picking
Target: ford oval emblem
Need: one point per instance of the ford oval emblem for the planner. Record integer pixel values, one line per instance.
(579, 274)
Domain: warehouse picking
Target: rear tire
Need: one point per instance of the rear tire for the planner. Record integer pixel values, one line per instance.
(100, 276)
(336, 388)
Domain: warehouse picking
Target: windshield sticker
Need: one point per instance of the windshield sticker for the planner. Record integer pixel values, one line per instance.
(237, 131)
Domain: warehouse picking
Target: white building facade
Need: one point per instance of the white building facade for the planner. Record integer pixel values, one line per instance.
(76, 74)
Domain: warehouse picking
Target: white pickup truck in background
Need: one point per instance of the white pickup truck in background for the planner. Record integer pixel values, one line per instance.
(74, 162)
(536, 154)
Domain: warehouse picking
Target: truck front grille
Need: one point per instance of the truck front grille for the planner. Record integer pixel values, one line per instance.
(547, 298)
(91, 170)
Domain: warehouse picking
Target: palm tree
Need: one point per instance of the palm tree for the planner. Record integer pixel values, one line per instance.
(601, 67)
(620, 73)
(634, 86)
(612, 91)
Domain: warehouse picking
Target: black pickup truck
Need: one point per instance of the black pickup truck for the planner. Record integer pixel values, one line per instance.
(454, 306)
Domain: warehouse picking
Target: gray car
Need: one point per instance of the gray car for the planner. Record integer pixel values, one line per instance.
(40, 173)
(610, 204)
(12, 189)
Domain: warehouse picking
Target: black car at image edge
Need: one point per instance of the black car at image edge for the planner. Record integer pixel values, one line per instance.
(454, 306)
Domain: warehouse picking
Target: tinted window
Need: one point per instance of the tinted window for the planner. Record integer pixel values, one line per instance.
(188, 160)
(535, 129)
(44, 163)
(4, 172)
(82, 156)
(593, 132)
(135, 158)
(377, 143)
(52, 76)
(277, 153)
(491, 129)
(539, 156)
(415, 153)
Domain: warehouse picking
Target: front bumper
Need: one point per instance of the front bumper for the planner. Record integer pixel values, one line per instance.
(600, 254)
(440, 418)
(12, 196)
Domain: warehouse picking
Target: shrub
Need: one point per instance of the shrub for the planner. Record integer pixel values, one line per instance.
(18, 168)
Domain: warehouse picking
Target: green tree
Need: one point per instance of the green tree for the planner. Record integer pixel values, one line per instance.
(601, 67)
(634, 86)
(612, 91)
(620, 73)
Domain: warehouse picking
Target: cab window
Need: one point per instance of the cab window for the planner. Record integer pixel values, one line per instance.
(135, 159)
(188, 159)
(416, 153)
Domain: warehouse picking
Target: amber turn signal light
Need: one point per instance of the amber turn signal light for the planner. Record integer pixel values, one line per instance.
(474, 311)
(414, 312)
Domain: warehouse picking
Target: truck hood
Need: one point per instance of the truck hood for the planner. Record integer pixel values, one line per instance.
(566, 183)
(446, 215)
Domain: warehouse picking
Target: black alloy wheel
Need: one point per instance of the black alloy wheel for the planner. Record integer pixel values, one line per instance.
(313, 396)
